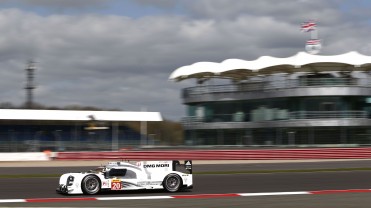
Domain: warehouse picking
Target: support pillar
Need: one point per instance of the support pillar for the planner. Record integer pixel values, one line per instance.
(343, 135)
(115, 136)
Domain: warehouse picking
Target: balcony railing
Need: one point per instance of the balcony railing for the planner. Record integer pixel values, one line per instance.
(278, 84)
(294, 115)
(327, 114)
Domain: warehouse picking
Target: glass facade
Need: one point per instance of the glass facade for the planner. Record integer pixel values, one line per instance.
(325, 110)
(281, 136)
(31, 136)
(281, 108)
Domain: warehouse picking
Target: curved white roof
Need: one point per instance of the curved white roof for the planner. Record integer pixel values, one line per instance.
(71, 115)
(265, 64)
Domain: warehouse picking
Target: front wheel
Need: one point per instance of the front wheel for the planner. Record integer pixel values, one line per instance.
(172, 182)
(90, 184)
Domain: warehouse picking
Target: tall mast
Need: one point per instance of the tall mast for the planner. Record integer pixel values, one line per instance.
(30, 86)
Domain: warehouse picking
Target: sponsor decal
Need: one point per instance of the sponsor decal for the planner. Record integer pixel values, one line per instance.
(105, 183)
(156, 166)
(116, 185)
(188, 165)
(149, 183)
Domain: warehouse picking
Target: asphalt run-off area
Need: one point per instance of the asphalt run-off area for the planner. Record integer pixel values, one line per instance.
(333, 183)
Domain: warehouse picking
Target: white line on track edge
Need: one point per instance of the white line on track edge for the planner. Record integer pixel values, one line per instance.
(11, 200)
(190, 196)
(274, 193)
(134, 197)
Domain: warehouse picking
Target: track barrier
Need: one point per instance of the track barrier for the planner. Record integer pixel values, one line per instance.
(265, 154)
(24, 156)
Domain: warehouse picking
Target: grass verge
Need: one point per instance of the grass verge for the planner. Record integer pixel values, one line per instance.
(283, 171)
(31, 176)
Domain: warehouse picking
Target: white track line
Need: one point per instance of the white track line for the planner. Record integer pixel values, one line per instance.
(11, 200)
(133, 198)
(275, 193)
(195, 196)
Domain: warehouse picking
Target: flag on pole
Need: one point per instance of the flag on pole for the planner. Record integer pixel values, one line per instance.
(308, 26)
(313, 42)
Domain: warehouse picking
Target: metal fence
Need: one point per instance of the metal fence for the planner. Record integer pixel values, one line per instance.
(278, 84)
(38, 146)
(9, 142)
(248, 117)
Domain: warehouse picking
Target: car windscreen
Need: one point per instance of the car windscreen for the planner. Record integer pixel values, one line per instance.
(117, 172)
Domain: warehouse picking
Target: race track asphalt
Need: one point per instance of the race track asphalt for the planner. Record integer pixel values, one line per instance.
(20, 188)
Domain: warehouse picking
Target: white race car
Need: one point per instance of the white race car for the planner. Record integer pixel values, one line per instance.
(129, 176)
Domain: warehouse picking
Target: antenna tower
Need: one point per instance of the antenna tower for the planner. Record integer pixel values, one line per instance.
(30, 86)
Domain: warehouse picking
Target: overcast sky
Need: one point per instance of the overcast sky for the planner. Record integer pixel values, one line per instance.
(120, 53)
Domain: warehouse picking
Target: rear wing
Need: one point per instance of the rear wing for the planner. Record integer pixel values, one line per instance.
(186, 167)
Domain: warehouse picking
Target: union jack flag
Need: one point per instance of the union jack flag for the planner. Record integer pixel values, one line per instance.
(308, 26)
(313, 42)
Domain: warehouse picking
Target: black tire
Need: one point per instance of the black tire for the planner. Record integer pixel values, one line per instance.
(172, 182)
(90, 184)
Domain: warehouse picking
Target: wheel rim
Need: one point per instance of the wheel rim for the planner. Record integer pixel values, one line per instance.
(172, 183)
(92, 185)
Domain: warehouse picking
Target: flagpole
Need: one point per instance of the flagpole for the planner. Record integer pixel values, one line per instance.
(314, 34)
(313, 46)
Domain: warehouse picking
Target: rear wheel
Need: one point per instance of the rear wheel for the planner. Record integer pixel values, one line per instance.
(90, 184)
(172, 182)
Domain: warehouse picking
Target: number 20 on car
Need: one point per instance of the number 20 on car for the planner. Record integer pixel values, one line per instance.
(116, 185)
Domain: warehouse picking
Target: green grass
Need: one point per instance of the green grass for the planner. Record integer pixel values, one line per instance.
(31, 176)
(283, 171)
(212, 172)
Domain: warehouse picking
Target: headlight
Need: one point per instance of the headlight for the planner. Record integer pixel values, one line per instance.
(70, 180)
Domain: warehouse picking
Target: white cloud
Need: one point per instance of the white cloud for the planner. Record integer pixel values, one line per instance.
(60, 5)
(121, 62)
